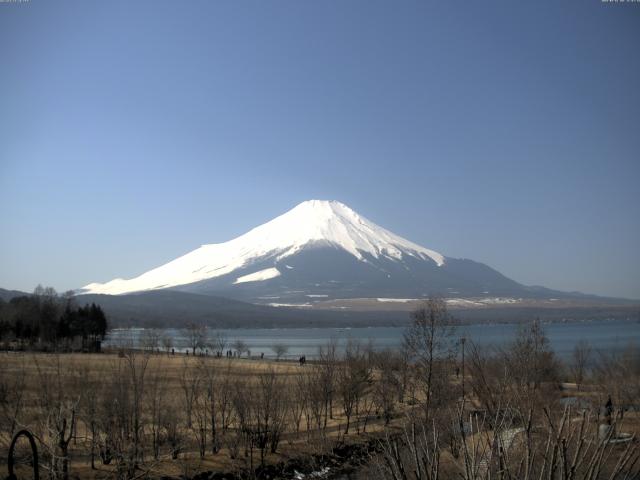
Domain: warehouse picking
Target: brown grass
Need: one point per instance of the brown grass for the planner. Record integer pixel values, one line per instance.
(75, 369)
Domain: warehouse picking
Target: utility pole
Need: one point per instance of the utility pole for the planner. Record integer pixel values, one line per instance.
(463, 340)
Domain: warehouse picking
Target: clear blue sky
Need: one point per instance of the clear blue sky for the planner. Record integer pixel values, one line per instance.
(507, 132)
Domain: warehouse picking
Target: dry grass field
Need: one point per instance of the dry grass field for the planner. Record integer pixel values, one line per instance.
(178, 397)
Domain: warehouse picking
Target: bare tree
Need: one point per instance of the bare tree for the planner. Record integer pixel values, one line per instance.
(167, 343)
(563, 445)
(190, 379)
(211, 401)
(261, 411)
(136, 368)
(171, 426)
(89, 405)
(201, 408)
(219, 343)
(224, 397)
(121, 413)
(58, 409)
(316, 405)
(353, 380)
(196, 336)
(489, 378)
(429, 341)
(280, 349)
(239, 346)
(618, 374)
(414, 453)
(156, 409)
(386, 388)
(531, 368)
(531, 356)
(150, 340)
(113, 414)
(299, 398)
(12, 393)
(328, 361)
(580, 362)
(243, 401)
(271, 409)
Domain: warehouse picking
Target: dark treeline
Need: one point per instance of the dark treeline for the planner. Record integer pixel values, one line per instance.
(46, 320)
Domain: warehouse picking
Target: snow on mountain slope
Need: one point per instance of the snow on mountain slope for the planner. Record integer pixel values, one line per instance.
(311, 222)
(265, 274)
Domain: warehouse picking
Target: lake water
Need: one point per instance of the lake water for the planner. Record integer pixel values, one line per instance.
(605, 335)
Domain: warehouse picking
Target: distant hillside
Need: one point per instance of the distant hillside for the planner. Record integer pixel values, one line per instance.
(166, 308)
(7, 295)
(171, 308)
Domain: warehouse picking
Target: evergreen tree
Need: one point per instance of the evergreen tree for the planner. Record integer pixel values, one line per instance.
(48, 318)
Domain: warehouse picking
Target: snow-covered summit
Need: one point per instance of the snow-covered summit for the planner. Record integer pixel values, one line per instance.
(335, 223)
(314, 222)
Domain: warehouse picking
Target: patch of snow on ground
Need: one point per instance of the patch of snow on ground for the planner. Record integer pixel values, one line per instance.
(462, 302)
(396, 300)
(289, 304)
(500, 300)
(479, 302)
(317, 474)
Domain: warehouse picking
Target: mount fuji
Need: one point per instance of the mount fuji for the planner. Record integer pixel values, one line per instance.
(316, 252)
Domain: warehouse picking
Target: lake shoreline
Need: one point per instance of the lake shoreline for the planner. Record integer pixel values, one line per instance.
(603, 334)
